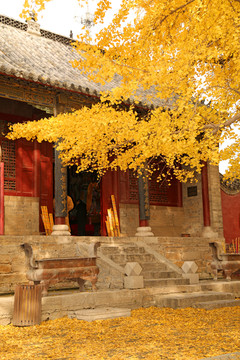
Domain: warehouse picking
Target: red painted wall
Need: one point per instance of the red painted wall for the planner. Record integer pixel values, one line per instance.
(1, 198)
(125, 190)
(33, 168)
(231, 216)
(161, 195)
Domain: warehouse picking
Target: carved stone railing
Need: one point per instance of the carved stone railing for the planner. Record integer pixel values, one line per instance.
(50, 271)
(227, 263)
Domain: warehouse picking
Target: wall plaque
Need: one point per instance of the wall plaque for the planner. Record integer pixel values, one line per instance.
(192, 191)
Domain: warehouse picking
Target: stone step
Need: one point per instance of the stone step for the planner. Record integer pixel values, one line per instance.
(120, 258)
(148, 266)
(133, 250)
(182, 300)
(158, 274)
(209, 305)
(140, 258)
(153, 266)
(165, 282)
(106, 250)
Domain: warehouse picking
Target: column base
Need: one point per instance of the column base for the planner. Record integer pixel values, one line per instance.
(60, 230)
(208, 232)
(144, 231)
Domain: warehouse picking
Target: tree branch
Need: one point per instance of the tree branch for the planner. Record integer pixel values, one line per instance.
(175, 10)
(222, 87)
(227, 123)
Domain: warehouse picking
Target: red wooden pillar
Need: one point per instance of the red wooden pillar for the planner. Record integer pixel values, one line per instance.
(60, 185)
(1, 198)
(144, 207)
(60, 173)
(144, 222)
(205, 197)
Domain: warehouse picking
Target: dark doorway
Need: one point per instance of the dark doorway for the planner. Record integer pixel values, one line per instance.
(84, 189)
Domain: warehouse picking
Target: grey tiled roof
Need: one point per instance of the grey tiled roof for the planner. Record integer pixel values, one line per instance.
(230, 187)
(46, 59)
(41, 59)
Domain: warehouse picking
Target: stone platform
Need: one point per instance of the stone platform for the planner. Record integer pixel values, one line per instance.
(64, 303)
(174, 251)
(102, 313)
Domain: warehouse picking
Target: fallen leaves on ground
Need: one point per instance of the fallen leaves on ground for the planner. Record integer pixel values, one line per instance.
(152, 333)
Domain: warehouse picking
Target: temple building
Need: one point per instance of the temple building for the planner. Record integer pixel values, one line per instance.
(37, 80)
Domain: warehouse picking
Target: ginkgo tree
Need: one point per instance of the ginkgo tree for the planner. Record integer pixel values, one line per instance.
(183, 58)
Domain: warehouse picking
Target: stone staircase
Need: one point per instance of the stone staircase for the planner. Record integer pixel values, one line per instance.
(205, 300)
(172, 290)
(155, 273)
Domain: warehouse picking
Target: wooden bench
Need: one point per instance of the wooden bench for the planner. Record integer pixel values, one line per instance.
(227, 263)
(51, 271)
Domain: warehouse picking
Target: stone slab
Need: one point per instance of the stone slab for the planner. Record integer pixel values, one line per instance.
(59, 304)
(182, 300)
(232, 286)
(209, 305)
(6, 309)
(232, 356)
(100, 313)
(193, 278)
(133, 282)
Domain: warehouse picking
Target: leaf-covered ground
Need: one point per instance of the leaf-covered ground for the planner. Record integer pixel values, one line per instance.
(153, 333)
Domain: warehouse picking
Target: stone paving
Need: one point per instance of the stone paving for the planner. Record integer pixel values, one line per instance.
(233, 356)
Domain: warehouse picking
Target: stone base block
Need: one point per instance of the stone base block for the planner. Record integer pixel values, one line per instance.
(144, 231)
(100, 313)
(133, 282)
(60, 230)
(193, 278)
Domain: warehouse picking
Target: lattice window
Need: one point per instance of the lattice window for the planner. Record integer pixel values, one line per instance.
(9, 158)
(133, 187)
(158, 191)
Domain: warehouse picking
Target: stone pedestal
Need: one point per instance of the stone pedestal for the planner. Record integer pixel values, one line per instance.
(60, 230)
(144, 231)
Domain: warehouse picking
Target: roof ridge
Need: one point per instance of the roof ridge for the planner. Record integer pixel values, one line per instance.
(44, 33)
(230, 187)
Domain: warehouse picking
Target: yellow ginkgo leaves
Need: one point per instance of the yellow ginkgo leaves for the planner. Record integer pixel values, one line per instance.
(149, 334)
(188, 51)
(103, 137)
